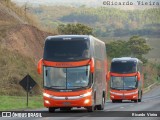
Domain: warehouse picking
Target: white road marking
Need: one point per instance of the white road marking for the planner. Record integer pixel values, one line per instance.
(108, 110)
(122, 107)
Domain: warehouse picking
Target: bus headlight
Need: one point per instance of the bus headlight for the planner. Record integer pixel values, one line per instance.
(86, 94)
(86, 101)
(46, 95)
(47, 102)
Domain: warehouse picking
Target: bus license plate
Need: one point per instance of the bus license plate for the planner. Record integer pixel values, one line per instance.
(66, 103)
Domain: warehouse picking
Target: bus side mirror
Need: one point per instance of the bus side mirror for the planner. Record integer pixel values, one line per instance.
(39, 66)
(138, 76)
(92, 65)
(108, 76)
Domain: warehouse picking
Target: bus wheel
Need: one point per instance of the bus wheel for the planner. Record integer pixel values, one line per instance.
(51, 109)
(113, 101)
(139, 100)
(91, 108)
(135, 101)
(101, 107)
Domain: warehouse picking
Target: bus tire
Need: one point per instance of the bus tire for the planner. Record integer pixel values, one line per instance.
(91, 108)
(119, 101)
(135, 101)
(51, 109)
(140, 99)
(113, 101)
(101, 107)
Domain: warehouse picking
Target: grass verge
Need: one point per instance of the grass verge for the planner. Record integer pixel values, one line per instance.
(19, 102)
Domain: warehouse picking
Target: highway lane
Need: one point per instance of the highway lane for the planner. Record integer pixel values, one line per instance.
(150, 103)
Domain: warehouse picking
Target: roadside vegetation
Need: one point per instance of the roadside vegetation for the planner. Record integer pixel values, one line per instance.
(20, 103)
(136, 46)
(107, 22)
(14, 66)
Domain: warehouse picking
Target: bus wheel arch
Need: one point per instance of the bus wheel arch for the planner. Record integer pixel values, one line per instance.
(101, 106)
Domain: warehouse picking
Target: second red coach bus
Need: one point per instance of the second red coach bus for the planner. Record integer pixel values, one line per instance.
(126, 79)
(74, 72)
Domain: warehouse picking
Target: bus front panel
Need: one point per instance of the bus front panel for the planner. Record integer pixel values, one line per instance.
(124, 88)
(72, 85)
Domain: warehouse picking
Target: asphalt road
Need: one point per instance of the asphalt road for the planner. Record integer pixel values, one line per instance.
(150, 105)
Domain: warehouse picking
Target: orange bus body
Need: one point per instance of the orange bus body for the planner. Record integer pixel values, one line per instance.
(123, 94)
(90, 97)
(60, 98)
(127, 94)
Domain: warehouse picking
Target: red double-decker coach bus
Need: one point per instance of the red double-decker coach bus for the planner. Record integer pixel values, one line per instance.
(126, 79)
(74, 72)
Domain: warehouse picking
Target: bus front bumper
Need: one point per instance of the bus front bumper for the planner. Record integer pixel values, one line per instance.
(68, 101)
(123, 96)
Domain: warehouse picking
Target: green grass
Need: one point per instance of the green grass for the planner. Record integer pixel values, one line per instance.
(19, 103)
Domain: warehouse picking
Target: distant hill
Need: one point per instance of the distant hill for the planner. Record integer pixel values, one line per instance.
(107, 23)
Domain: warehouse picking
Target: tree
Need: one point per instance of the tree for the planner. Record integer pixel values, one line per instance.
(135, 47)
(78, 28)
(138, 47)
(117, 49)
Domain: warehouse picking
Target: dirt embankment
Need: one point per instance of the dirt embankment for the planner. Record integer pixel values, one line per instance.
(18, 35)
(25, 39)
(21, 46)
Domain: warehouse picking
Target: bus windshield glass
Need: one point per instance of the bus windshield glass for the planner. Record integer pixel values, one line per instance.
(124, 83)
(66, 78)
(123, 67)
(63, 50)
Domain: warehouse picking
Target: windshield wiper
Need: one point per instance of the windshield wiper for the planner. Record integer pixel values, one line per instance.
(130, 87)
(117, 88)
(78, 86)
(57, 86)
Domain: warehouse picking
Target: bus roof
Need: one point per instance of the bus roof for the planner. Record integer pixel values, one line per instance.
(73, 36)
(126, 59)
(67, 36)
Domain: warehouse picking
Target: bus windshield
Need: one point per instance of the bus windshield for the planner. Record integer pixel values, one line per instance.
(123, 67)
(60, 50)
(124, 83)
(66, 78)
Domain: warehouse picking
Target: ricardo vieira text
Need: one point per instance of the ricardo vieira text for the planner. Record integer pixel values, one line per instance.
(109, 2)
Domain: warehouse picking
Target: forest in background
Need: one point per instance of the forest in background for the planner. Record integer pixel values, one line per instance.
(106, 22)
